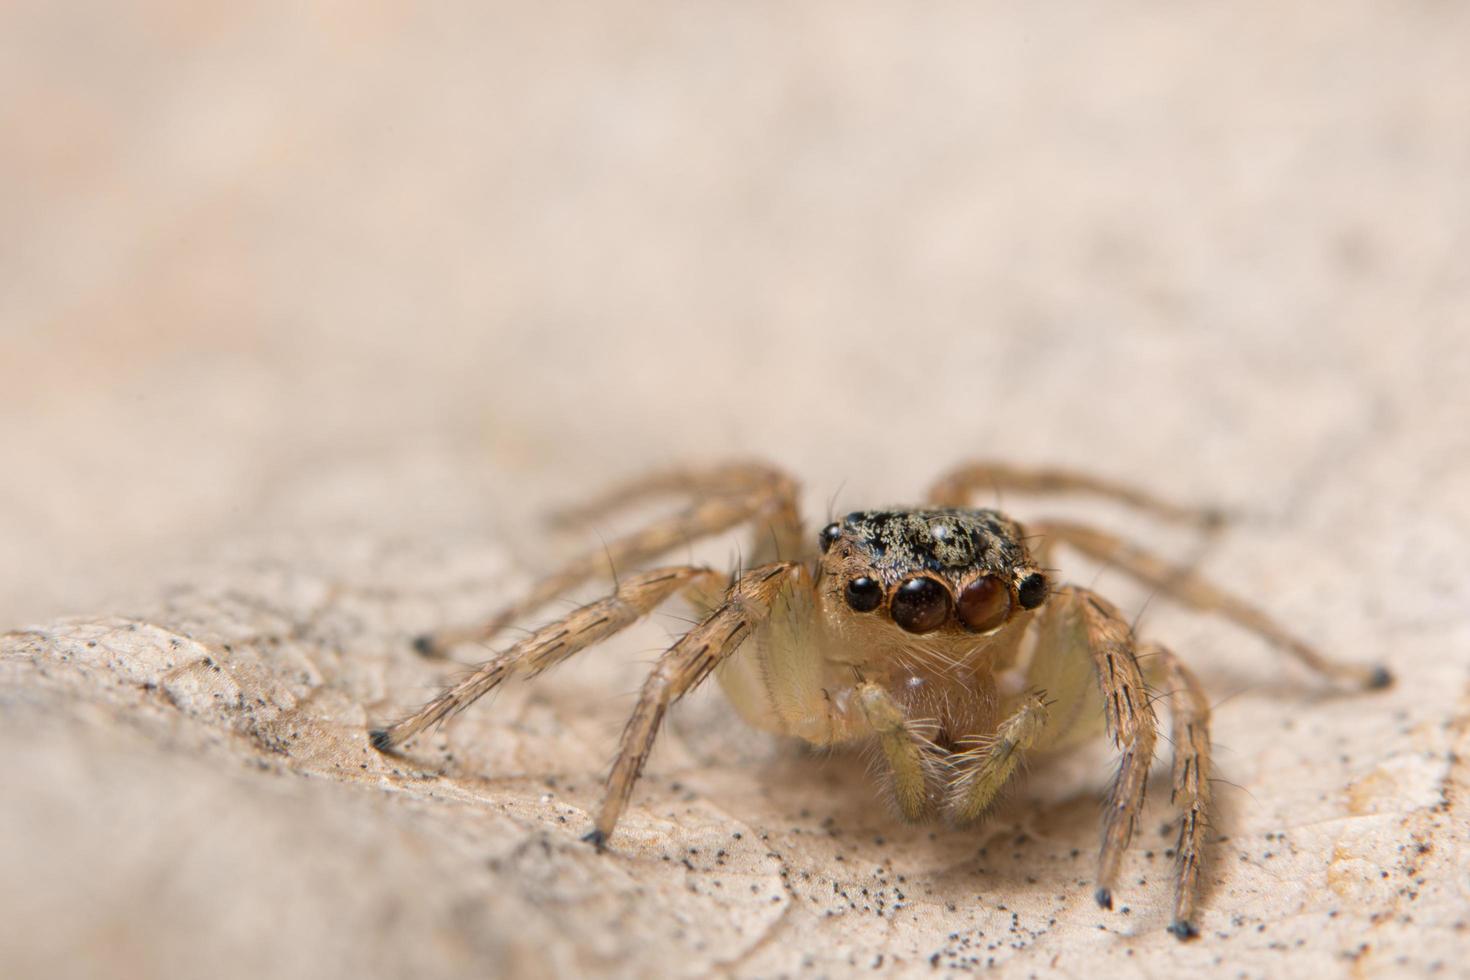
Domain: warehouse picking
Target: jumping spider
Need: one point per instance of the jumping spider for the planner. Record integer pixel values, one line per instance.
(934, 632)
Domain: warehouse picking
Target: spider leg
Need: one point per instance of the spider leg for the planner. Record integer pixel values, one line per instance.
(683, 666)
(732, 495)
(692, 483)
(981, 772)
(958, 488)
(1190, 729)
(1188, 588)
(1129, 715)
(636, 597)
(912, 758)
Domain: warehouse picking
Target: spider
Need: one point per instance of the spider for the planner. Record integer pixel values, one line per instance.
(935, 632)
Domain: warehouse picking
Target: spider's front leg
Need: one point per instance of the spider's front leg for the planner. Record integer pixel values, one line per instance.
(1086, 659)
(746, 604)
(1080, 618)
(1190, 732)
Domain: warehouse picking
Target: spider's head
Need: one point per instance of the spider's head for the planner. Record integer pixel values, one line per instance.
(950, 569)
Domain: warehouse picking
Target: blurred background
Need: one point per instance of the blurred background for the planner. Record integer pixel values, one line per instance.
(251, 249)
(419, 272)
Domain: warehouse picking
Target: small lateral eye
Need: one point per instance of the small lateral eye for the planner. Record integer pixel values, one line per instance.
(863, 594)
(827, 535)
(920, 605)
(984, 604)
(1032, 590)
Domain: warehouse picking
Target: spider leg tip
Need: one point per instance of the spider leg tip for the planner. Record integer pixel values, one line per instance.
(1182, 930)
(424, 646)
(1104, 897)
(381, 739)
(1379, 678)
(597, 839)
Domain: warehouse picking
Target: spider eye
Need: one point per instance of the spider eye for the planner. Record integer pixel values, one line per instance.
(920, 605)
(1032, 591)
(863, 594)
(827, 535)
(985, 603)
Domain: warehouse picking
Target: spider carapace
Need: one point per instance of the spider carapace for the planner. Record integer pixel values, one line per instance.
(936, 632)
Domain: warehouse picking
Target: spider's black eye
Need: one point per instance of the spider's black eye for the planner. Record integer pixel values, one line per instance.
(863, 594)
(920, 605)
(984, 604)
(1032, 591)
(828, 535)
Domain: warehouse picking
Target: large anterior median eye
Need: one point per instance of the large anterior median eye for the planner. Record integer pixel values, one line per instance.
(920, 605)
(984, 604)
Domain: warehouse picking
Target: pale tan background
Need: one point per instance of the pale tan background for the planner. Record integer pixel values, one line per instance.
(308, 313)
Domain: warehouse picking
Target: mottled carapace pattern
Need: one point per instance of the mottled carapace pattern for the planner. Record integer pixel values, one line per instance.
(950, 540)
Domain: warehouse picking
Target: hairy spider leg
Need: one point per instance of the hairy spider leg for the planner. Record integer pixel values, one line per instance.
(747, 603)
(1190, 732)
(1185, 586)
(635, 597)
(959, 486)
(738, 494)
